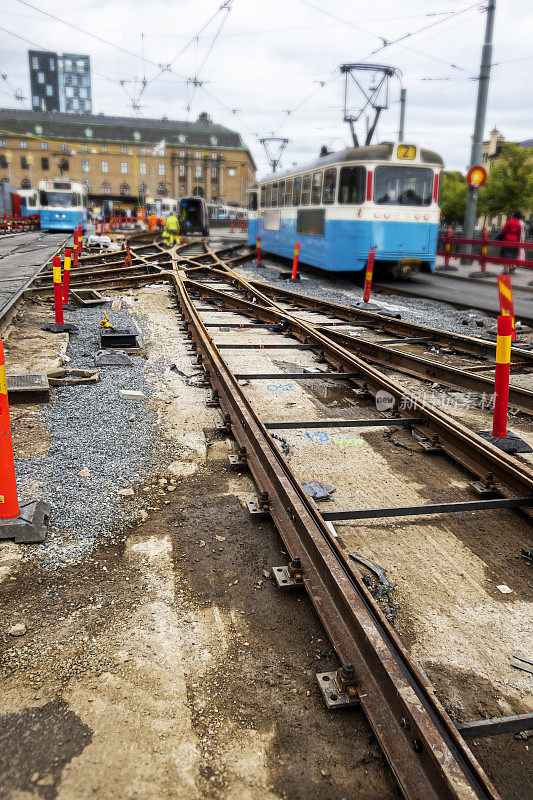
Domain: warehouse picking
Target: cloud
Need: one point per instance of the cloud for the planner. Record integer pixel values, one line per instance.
(271, 55)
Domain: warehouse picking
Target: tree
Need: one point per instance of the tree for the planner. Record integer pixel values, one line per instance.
(509, 186)
(453, 196)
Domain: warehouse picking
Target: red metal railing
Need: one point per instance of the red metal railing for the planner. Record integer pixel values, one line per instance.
(483, 244)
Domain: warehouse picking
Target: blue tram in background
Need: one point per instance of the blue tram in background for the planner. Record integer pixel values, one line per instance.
(342, 204)
(62, 204)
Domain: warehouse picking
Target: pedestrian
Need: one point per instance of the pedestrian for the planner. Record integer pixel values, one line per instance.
(172, 230)
(511, 232)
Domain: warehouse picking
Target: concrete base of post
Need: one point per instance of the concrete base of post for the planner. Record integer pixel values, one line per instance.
(287, 276)
(446, 268)
(54, 327)
(31, 525)
(367, 306)
(509, 444)
(480, 274)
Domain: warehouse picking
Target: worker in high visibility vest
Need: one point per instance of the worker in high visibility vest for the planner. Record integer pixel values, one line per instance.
(171, 234)
(152, 222)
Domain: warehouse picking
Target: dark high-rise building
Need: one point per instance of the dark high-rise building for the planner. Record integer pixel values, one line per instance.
(44, 80)
(60, 82)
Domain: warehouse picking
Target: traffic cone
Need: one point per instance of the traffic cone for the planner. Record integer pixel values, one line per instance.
(28, 521)
(9, 506)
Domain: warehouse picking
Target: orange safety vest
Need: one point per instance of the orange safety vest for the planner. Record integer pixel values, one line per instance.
(152, 222)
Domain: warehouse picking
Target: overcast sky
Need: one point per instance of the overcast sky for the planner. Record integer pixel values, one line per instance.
(271, 57)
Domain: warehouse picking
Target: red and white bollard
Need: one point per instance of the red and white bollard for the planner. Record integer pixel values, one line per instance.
(295, 261)
(258, 251)
(367, 289)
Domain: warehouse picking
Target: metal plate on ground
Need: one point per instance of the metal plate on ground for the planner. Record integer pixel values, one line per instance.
(121, 338)
(87, 297)
(331, 694)
(27, 387)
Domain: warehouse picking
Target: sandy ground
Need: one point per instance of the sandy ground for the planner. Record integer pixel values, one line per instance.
(166, 664)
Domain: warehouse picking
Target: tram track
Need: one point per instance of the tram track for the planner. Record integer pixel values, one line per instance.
(426, 751)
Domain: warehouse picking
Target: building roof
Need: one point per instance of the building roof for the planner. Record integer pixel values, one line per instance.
(119, 129)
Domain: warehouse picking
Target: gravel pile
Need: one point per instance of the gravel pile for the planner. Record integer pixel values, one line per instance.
(92, 428)
(340, 288)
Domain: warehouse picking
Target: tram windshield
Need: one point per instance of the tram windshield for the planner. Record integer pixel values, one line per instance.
(63, 199)
(403, 186)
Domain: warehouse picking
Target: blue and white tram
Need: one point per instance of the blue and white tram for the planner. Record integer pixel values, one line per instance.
(342, 204)
(62, 204)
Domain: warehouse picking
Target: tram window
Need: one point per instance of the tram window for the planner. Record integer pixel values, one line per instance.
(252, 201)
(317, 188)
(403, 186)
(268, 195)
(352, 185)
(274, 195)
(297, 192)
(263, 191)
(306, 190)
(281, 194)
(330, 183)
(288, 193)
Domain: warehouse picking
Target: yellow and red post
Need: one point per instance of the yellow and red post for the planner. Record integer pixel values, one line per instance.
(368, 276)
(501, 381)
(258, 251)
(9, 507)
(505, 293)
(295, 261)
(66, 274)
(484, 237)
(58, 290)
(447, 247)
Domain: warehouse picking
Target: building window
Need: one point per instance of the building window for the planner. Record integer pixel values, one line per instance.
(35, 63)
(68, 65)
(75, 105)
(36, 101)
(24, 162)
(81, 66)
(45, 163)
(124, 189)
(103, 148)
(74, 80)
(160, 169)
(162, 190)
(198, 171)
(123, 149)
(182, 170)
(214, 173)
(124, 167)
(49, 91)
(3, 165)
(44, 145)
(214, 156)
(24, 145)
(142, 151)
(142, 167)
(105, 166)
(136, 135)
(2, 142)
(105, 188)
(40, 77)
(83, 93)
(25, 183)
(85, 165)
(52, 65)
(182, 153)
(198, 154)
(64, 147)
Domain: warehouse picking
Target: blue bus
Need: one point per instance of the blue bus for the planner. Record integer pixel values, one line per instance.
(62, 204)
(337, 207)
